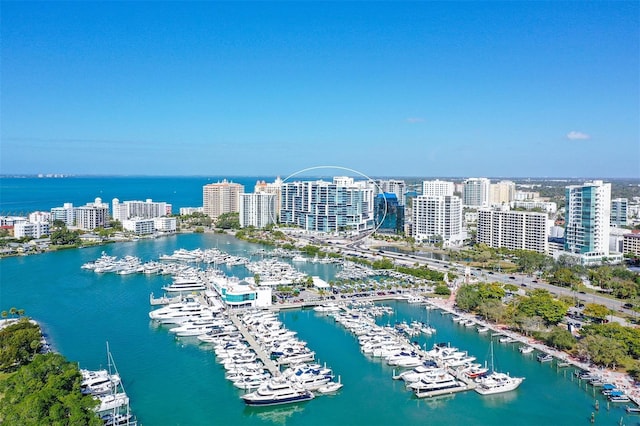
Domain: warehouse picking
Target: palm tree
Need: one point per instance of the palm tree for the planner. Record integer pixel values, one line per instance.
(13, 311)
(5, 314)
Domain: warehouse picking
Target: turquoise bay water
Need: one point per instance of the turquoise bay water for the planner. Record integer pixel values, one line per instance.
(173, 382)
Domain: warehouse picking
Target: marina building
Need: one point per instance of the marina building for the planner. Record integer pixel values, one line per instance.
(92, 215)
(437, 188)
(587, 221)
(222, 197)
(338, 206)
(619, 212)
(438, 219)
(515, 230)
(141, 209)
(502, 192)
(66, 213)
(388, 213)
(476, 193)
(236, 293)
(257, 209)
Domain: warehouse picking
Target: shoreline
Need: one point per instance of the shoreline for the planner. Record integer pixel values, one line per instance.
(622, 380)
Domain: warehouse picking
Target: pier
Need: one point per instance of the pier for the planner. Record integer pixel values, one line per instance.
(260, 353)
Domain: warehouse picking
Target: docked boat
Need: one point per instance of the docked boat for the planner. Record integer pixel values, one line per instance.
(277, 392)
(330, 387)
(330, 307)
(496, 382)
(632, 410)
(525, 349)
(544, 357)
(483, 329)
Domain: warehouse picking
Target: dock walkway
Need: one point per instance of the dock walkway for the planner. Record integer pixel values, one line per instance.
(260, 353)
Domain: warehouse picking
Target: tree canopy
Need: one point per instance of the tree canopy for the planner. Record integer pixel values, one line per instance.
(46, 391)
(19, 342)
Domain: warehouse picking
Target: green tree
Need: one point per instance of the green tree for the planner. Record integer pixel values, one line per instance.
(560, 338)
(47, 391)
(492, 310)
(442, 290)
(16, 342)
(602, 350)
(467, 297)
(596, 311)
(228, 221)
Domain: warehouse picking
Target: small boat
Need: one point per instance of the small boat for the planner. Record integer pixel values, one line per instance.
(632, 410)
(544, 357)
(483, 329)
(619, 398)
(525, 349)
(507, 339)
(331, 387)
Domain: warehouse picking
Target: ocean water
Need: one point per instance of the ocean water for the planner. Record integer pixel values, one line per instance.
(23, 195)
(178, 382)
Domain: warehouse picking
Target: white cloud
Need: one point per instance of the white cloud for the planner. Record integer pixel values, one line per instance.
(577, 136)
(414, 120)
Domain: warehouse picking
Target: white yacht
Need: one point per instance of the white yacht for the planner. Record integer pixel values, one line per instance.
(497, 383)
(276, 392)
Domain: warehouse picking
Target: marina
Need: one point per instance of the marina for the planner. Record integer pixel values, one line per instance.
(185, 372)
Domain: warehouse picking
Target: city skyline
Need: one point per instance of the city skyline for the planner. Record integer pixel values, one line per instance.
(523, 89)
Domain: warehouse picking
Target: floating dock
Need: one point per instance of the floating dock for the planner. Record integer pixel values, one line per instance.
(260, 353)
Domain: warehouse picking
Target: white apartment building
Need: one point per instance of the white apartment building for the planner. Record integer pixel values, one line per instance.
(30, 229)
(142, 209)
(526, 195)
(39, 217)
(476, 193)
(222, 197)
(438, 218)
(92, 215)
(502, 192)
(11, 220)
(184, 211)
(587, 220)
(66, 213)
(338, 206)
(437, 188)
(546, 206)
(139, 226)
(257, 209)
(165, 224)
(515, 230)
(274, 188)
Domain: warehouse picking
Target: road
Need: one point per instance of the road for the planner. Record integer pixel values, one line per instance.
(359, 248)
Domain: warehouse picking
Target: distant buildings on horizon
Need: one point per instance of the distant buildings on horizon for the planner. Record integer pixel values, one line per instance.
(590, 227)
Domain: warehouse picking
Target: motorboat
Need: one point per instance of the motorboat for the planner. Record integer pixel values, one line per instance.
(277, 392)
(497, 383)
(525, 349)
(544, 357)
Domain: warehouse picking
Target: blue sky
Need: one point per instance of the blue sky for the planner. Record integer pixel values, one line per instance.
(389, 89)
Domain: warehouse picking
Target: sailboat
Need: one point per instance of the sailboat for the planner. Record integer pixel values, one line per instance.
(496, 382)
(114, 407)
